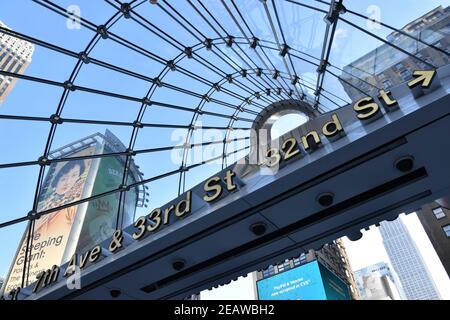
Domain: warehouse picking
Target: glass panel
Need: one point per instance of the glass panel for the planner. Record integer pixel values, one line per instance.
(208, 64)
(371, 55)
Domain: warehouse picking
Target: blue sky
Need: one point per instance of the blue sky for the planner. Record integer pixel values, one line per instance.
(24, 141)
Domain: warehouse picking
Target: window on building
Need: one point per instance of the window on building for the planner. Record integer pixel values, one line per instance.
(439, 213)
(3, 54)
(422, 64)
(300, 260)
(429, 60)
(363, 85)
(270, 271)
(405, 74)
(12, 65)
(19, 66)
(387, 84)
(446, 229)
(399, 66)
(5, 63)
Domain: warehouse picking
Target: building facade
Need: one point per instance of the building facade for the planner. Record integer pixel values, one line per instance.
(386, 66)
(15, 56)
(407, 262)
(378, 282)
(435, 220)
(333, 256)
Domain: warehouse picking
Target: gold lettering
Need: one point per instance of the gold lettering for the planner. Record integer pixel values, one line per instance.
(366, 108)
(273, 154)
(385, 99)
(185, 204)
(53, 275)
(95, 254)
(310, 134)
(116, 241)
(333, 127)
(290, 148)
(47, 278)
(84, 259)
(167, 212)
(229, 180)
(141, 225)
(422, 77)
(212, 185)
(39, 282)
(71, 266)
(154, 216)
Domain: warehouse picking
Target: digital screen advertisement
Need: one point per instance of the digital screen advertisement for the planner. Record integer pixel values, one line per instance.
(311, 281)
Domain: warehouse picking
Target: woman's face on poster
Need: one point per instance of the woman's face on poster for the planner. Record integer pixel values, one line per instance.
(68, 180)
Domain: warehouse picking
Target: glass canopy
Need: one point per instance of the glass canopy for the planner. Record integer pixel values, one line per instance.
(179, 84)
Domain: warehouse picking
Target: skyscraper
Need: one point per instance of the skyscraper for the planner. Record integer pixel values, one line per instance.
(435, 219)
(407, 262)
(386, 66)
(378, 282)
(332, 256)
(15, 56)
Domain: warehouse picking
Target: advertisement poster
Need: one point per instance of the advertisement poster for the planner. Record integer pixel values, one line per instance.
(335, 288)
(64, 183)
(100, 219)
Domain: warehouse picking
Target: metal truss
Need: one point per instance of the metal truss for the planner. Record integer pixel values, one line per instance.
(262, 83)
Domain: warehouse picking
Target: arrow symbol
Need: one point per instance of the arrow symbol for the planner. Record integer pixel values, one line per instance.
(424, 77)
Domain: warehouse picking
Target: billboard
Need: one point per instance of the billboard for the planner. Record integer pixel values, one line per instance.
(64, 183)
(335, 288)
(100, 218)
(311, 281)
(58, 235)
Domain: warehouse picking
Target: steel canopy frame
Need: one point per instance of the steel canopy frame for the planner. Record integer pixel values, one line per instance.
(262, 79)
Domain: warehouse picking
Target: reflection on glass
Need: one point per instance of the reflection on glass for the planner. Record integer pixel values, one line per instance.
(387, 66)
